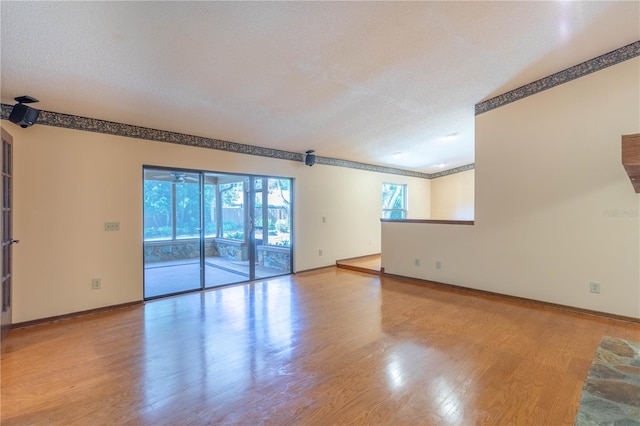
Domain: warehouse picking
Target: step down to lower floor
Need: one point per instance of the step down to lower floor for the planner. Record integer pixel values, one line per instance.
(370, 264)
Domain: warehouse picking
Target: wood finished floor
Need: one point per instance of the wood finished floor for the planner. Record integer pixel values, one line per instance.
(325, 347)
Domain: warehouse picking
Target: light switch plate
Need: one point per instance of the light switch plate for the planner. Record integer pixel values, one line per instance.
(112, 226)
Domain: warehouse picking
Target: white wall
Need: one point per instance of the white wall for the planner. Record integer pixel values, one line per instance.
(548, 176)
(68, 183)
(452, 196)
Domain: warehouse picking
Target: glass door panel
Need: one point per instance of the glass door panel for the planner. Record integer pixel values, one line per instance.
(273, 249)
(226, 243)
(172, 228)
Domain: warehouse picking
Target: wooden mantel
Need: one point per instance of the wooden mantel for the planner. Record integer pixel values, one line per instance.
(631, 158)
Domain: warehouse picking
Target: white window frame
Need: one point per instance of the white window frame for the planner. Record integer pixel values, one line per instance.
(390, 212)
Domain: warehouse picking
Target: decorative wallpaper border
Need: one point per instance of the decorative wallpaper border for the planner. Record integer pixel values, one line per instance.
(75, 122)
(49, 118)
(603, 61)
(453, 171)
(56, 119)
(370, 167)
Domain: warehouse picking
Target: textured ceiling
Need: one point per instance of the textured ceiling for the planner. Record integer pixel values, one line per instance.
(376, 82)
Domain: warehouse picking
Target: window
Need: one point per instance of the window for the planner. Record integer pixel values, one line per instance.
(210, 210)
(394, 201)
(171, 205)
(158, 209)
(232, 200)
(272, 206)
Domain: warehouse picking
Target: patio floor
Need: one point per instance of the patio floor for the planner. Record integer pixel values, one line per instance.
(164, 278)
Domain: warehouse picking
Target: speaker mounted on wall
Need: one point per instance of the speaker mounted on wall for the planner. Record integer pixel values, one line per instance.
(23, 115)
(310, 159)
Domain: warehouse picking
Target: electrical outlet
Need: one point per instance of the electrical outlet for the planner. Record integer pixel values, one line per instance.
(96, 283)
(594, 287)
(319, 252)
(112, 226)
(416, 262)
(324, 219)
(438, 264)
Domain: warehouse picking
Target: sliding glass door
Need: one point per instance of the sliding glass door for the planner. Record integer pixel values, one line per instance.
(205, 229)
(171, 232)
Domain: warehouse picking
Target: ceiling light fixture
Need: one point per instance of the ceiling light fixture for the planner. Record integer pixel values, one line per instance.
(451, 136)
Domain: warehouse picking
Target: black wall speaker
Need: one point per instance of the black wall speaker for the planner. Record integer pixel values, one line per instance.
(23, 115)
(310, 159)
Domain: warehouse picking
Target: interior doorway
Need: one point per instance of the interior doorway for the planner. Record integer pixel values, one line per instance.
(7, 231)
(207, 229)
